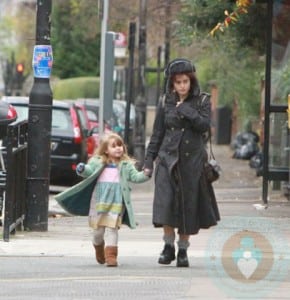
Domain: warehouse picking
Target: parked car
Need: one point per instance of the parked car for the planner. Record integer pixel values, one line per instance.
(8, 115)
(20, 104)
(117, 122)
(92, 139)
(68, 137)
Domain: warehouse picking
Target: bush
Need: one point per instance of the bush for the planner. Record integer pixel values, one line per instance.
(79, 87)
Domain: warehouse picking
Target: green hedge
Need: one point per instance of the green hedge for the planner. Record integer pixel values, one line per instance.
(79, 87)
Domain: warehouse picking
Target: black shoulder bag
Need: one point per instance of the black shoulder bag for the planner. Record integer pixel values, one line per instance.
(212, 169)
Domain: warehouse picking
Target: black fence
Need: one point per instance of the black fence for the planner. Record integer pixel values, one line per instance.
(13, 161)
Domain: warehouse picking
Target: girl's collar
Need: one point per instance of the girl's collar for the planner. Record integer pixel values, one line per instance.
(112, 165)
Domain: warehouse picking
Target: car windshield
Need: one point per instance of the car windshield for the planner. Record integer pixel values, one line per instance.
(92, 115)
(61, 119)
(22, 112)
(119, 110)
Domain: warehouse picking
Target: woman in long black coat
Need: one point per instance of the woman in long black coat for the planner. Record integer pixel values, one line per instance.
(183, 199)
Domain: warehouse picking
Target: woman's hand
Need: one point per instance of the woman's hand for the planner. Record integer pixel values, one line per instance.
(148, 172)
(148, 166)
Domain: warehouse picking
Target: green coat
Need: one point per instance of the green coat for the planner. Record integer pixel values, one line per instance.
(76, 199)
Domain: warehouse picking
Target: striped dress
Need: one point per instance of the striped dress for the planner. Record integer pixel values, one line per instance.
(106, 203)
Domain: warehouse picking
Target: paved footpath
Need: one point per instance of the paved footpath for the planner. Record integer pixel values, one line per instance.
(245, 257)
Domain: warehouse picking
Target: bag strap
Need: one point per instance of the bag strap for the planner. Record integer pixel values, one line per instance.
(211, 155)
(203, 98)
(163, 100)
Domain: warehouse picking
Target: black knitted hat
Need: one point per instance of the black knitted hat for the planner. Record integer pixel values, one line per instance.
(177, 66)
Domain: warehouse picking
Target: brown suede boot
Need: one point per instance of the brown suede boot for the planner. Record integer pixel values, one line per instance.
(100, 253)
(111, 253)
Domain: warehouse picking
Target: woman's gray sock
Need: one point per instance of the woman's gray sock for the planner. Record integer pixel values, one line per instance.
(183, 244)
(169, 239)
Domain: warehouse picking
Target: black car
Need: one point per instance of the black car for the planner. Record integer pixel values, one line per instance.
(68, 138)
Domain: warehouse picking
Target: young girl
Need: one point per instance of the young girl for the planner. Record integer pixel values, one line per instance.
(109, 171)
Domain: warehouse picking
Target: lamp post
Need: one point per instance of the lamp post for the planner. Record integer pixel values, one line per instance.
(39, 124)
(167, 31)
(105, 11)
(141, 102)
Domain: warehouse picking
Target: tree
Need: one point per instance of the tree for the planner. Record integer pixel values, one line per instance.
(75, 38)
(234, 59)
(199, 18)
(6, 25)
(17, 37)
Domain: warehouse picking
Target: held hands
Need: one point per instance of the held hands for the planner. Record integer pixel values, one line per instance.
(148, 166)
(148, 172)
(80, 168)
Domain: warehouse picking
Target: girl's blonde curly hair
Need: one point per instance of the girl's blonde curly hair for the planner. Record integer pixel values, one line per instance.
(103, 147)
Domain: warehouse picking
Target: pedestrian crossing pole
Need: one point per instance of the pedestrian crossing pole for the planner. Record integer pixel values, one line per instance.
(39, 124)
(141, 101)
(105, 11)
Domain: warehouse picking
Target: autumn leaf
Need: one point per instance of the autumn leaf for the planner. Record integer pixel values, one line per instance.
(241, 8)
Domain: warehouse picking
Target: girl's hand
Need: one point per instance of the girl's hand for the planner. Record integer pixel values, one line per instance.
(80, 168)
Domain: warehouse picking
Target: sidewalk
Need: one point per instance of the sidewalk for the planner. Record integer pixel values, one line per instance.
(245, 257)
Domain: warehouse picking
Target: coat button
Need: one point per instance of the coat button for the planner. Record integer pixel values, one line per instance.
(186, 154)
(182, 129)
(172, 128)
(182, 117)
(187, 142)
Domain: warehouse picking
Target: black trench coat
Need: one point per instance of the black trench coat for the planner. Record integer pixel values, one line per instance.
(183, 198)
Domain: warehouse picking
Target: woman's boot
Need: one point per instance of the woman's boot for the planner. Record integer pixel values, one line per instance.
(111, 253)
(100, 253)
(182, 259)
(167, 255)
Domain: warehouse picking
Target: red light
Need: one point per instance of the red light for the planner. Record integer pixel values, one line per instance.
(19, 68)
(77, 130)
(78, 136)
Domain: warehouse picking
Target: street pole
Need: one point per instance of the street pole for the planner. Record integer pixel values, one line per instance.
(159, 51)
(39, 124)
(140, 103)
(130, 79)
(105, 8)
(167, 31)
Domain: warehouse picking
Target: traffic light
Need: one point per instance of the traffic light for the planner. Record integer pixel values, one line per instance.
(19, 68)
(19, 77)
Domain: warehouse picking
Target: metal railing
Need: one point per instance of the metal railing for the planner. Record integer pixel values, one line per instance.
(13, 177)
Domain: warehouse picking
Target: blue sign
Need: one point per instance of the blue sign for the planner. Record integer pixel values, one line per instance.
(42, 61)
